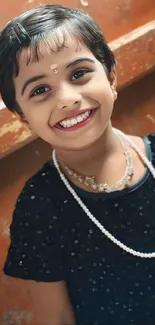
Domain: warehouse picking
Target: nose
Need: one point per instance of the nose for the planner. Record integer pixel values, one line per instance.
(68, 98)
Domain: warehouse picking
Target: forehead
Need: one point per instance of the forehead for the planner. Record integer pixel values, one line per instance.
(49, 52)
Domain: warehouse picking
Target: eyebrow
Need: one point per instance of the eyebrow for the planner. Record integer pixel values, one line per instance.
(33, 79)
(70, 64)
(74, 62)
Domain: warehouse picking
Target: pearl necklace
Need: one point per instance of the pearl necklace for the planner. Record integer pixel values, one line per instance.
(90, 215)
(90, 181)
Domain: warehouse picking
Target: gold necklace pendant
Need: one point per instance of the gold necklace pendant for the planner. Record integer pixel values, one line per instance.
(89, 181)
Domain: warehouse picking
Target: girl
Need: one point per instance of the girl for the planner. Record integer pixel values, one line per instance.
(83, 227)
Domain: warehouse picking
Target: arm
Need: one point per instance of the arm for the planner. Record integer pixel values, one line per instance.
(51, 304)
(36, 254)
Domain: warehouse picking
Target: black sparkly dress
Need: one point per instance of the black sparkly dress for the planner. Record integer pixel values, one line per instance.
(52, 239)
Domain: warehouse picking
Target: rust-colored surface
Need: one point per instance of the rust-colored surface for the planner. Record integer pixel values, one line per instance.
(119, 17)
(133, 113)
(13, 134)
(135, 53)
(116, 17)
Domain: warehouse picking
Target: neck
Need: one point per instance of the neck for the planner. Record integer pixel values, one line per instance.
(91, 160)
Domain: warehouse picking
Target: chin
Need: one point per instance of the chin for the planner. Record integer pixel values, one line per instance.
(83, 145)
(81, 142)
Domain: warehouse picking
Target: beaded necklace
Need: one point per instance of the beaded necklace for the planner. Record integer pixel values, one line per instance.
(90, 215)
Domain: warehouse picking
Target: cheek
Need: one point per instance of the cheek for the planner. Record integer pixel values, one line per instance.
(100, 88)
(105, 95)
(38, 121)
(109, 98)
(106, 102)
(35, 115)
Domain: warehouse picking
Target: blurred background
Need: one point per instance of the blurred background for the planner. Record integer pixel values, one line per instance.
(129, 27)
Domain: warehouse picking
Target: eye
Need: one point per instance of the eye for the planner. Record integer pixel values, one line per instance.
(80, 73)
(39, 91)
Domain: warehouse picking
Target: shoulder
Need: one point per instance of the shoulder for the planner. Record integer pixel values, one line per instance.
(35, 233)
(147, 145)
(42, 180)
(151, 140)
(40, 189)
(143, 141)
(36, 205)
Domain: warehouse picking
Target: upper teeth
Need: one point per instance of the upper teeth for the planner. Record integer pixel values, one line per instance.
(70, 122)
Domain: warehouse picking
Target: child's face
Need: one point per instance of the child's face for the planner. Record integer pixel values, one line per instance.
(54, 97)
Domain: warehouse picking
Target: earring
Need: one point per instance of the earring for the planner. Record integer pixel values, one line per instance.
(114, 92)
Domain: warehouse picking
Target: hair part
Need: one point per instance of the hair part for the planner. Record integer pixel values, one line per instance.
(47, 24)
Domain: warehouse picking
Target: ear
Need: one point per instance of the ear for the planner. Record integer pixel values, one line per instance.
(113, 77)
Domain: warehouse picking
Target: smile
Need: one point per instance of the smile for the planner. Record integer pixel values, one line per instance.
(76, 121)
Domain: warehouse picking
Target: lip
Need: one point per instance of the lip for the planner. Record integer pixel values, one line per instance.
(80, 124)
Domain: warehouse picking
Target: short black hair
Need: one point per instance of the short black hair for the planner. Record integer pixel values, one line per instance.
(40, 24)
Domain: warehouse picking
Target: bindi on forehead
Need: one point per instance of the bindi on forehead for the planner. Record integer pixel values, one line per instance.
(54, 68)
